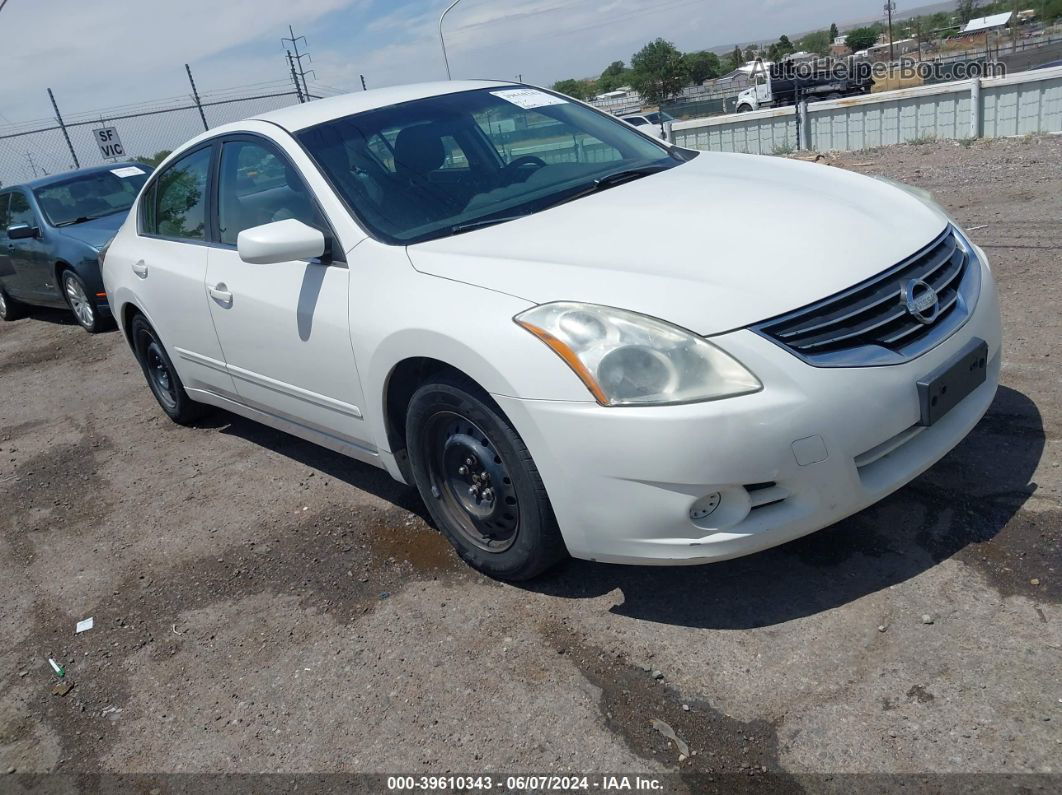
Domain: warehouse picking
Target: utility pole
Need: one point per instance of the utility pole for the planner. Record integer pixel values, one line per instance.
(890, 6)
(363, 82)
(297, 59)
(195, 96)
(294, 77)
(62, 127)
(442, 41)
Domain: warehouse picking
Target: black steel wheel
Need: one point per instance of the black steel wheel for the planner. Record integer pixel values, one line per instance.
(479, 481)
(161, 376)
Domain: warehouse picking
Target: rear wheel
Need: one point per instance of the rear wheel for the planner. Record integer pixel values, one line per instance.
(161, 376)
(479, 482)
(81, 304)
(10, 309)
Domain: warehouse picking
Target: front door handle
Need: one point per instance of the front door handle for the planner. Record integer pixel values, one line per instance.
(140, 269)
(220, 293)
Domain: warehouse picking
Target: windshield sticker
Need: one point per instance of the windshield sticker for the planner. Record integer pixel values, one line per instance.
(528, 98)
(127, 171)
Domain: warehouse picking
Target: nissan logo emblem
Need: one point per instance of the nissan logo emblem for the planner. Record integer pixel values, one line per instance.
(921, 301)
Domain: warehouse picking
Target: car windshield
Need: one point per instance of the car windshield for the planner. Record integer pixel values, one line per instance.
(89, 196)
(656, 118)
(449, 164)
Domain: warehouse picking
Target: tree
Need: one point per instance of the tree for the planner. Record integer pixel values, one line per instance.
(750, 53)
(579, 89)
(817, 42)
(861, 38)
(614, 76)
(966, 10)
(834, 33)
(737, 58)
(780, 48)
(658, 71)
(155, 159)
(702, 66)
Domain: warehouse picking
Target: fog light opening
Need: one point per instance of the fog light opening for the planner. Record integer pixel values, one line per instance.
(705, 506)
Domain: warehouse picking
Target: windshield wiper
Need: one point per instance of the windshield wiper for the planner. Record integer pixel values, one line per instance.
(455, 230)
(83, 218)
(611, 180)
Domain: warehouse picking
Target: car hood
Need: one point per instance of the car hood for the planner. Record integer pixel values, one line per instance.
(717, 243)
(95, 232)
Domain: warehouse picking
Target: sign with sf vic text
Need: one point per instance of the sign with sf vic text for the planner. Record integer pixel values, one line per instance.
(109, 142)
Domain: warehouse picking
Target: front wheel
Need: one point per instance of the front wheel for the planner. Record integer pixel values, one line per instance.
(161, 376)
(744, 108)
(84, 308)
(480, 483)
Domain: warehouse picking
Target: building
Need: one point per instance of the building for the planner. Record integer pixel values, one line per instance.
(983, 24)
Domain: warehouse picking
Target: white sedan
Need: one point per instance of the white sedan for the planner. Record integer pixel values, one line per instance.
(475, 286)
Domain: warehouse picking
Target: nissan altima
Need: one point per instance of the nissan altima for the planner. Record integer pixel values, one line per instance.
(572, 338)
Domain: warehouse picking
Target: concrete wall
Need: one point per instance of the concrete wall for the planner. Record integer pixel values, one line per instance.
(1027, 102)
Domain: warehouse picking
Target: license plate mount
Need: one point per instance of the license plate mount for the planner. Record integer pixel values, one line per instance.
(941, 390)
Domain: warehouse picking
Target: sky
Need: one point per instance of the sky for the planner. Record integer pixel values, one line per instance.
(103, 53)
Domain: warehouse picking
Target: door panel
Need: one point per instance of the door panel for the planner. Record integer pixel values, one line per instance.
(171, 272)
(286, 340)
(283, 328)
(33, 278)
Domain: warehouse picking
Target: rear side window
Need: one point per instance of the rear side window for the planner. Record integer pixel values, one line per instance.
(180, 198)
(257, 186)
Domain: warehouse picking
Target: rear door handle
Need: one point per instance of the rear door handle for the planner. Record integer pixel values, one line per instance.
(140, 269)
(220, 293)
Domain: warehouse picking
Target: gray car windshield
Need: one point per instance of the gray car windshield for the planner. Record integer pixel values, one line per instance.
(90, 195)
(457, 162)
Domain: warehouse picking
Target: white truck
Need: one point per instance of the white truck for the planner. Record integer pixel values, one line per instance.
(776, 85)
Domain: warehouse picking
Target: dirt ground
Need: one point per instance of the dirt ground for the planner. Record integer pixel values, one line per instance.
(262, 605)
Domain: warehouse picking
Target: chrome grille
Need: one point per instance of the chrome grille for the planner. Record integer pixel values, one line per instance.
(870, 323)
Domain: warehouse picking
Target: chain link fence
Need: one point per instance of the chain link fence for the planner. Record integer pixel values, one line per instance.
(35, 149)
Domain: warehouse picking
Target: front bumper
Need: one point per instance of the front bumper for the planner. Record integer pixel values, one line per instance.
(814, 446)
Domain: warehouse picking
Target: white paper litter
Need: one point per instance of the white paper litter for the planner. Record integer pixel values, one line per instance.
(84, 625)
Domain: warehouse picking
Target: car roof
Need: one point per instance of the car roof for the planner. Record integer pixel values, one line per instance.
(299, 117)
(63, 176)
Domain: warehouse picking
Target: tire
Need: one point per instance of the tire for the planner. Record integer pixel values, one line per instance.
(501, 524)
(161, 376)
(744, 108)
(77, 296)
(834, 95)
(10, 309)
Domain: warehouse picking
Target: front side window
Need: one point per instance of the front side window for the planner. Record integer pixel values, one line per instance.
(180, 198)
(257, 186)
(20, 212)
(447, 164)
(90, 196)
(5, 201)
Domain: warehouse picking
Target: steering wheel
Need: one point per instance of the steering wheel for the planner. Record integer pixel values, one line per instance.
(512, 169)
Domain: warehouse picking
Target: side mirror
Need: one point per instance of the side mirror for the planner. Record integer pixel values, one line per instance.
(280, 241)
(22, 231)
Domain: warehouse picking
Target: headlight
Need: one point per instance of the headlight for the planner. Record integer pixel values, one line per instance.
(627, 359)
